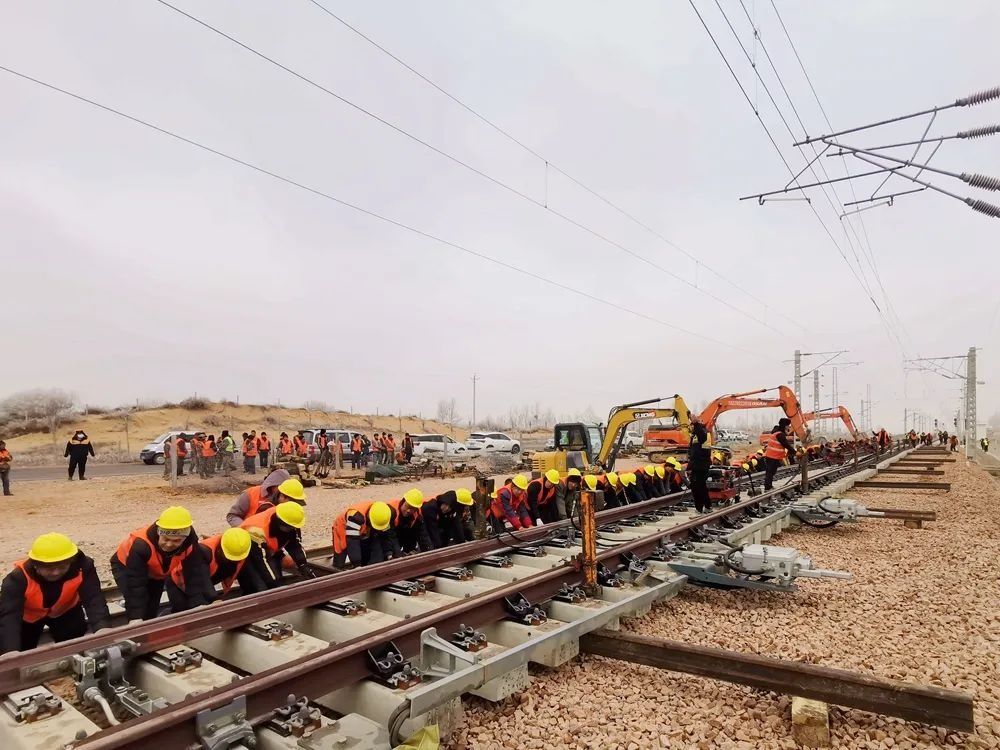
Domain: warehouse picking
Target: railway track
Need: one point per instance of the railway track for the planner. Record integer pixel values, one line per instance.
(383, 650)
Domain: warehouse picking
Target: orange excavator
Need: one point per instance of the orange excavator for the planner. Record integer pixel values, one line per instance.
(657, 439)
(837, 412)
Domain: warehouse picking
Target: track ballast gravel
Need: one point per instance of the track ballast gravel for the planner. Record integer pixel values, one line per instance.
(924, 607)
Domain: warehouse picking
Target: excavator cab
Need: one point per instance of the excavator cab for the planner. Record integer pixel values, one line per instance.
(577, 446)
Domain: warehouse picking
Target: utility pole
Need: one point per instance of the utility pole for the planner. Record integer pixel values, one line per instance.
(869, 402)
(816, 390)
(864, 426)
(971, 433)
(906, 416)
(475, 377)
(798, 375)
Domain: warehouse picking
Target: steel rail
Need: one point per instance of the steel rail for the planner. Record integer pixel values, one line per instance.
(24, 669)
(343, 663)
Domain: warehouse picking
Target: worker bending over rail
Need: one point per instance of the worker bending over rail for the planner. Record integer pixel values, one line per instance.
(277, 533)
(410, 528)
(277, 487)
(449, 519)
(541, 497)
(567, 496)
(52, 587)
(157, 557)
(365, 534)
(509, 509)
(226, 555)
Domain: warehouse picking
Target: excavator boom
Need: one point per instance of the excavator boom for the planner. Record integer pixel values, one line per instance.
(840, 412)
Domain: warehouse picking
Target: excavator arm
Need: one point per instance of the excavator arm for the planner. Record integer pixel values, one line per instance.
(786, 401)
(840, 412)
(622, 416)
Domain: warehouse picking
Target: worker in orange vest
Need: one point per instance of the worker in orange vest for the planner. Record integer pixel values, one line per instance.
(390, 449)
(356, 446)
(509, 509)
(264, 449)
(226, 555)
(614, 492)
(5, 459)
(249, 454)
(196, 443)
(365, 534)
(410, 528)
(263, 496)
(208, 454)
(285, 448)
(152, 558)
(541, 495)
(300, 444)
(277, 532)
(776, 451)
(52, 587)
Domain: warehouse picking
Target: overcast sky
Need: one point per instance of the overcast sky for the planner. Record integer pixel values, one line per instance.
(137, 266)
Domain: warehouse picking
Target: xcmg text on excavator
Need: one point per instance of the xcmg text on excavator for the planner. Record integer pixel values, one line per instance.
(836, 412)
(590, 447)
(672, 440)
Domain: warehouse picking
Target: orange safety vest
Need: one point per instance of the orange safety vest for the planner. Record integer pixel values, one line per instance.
(390, 443)
(256, 500)
(212, 544)
(5, 456)
(774, 449)
(207, 449)
(517, 499)
(34, 607)
(181, 448)
(263, 444)
(415, 518)
(322, 441)
(285, 447)
(301, 449)
(155, 565)
(262, 520)
(356, 445)
(339, 529)
(545, 494)
(249, 448)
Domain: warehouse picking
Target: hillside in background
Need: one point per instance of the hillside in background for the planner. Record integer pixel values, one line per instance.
(121, 434)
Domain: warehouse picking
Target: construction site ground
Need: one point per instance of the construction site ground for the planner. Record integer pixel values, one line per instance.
(923, 607)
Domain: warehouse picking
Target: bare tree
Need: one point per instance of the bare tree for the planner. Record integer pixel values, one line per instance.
(52, 405)
(317, 406)
(447, 412)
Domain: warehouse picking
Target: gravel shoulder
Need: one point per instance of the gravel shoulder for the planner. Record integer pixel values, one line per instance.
(924, 606)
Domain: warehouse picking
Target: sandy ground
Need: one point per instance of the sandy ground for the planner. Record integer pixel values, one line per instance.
(923, 608)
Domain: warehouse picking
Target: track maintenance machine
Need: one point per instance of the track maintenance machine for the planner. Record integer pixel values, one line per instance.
(836, 412)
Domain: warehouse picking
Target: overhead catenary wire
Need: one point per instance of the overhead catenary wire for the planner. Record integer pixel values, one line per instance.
(788, 167)
(542, 204)
(982, 181)
(369, 212)
(550, 165)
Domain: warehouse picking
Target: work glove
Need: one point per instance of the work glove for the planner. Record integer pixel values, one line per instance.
(511, 526)
(135, 621)
(538, 522)
(257, 534)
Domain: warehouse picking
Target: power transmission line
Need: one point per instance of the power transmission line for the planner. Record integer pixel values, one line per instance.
(548, 163)
(360, 209)
(455, 160)
(788, 167)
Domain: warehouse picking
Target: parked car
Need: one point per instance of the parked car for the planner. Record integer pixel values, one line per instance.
(632, 440)
(152, 452)
(344, 436)
(435, 443)
(493, 442)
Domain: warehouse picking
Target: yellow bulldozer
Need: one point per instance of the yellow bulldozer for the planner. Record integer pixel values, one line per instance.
(594, 448)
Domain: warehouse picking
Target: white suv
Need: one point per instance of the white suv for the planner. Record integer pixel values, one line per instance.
(435, 443)
(492, 442)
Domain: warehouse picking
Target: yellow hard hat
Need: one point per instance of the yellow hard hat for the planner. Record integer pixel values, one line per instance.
(573, 473)
(292, 489)
(674, 463)
(414, 498)
(379, 516)
(650, 469)
(612, 477)
(292, 514)
(745, 467)
(628, 478)
(463, 496)
(52, 548)
(553, 476)
(520, 481)
(591, 481)
(236, 544)
(175, 517)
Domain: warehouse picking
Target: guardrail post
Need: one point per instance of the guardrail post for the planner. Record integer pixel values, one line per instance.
(588, 527)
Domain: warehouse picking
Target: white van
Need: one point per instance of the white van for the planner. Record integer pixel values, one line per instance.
(152, 452)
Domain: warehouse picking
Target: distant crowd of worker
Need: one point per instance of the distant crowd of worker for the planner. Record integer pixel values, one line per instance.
(206, 455)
